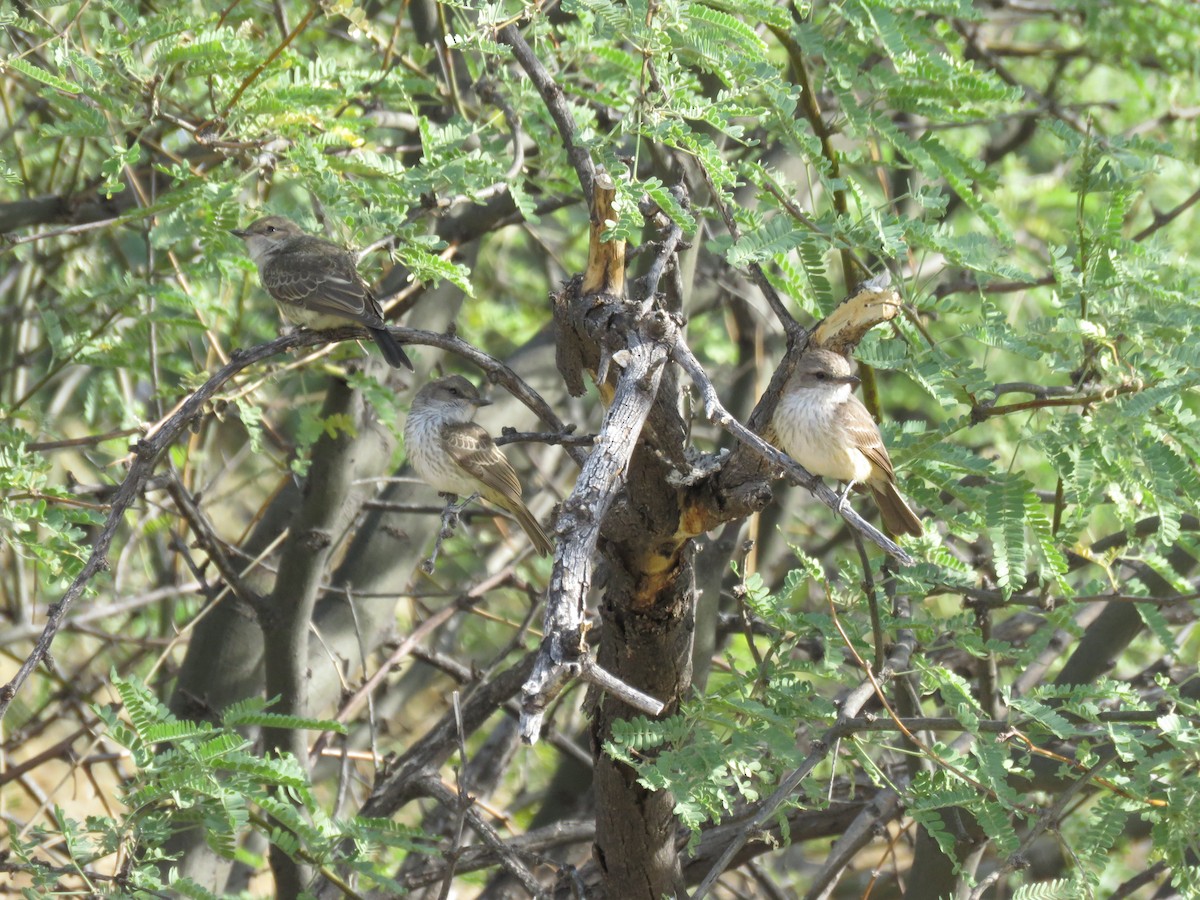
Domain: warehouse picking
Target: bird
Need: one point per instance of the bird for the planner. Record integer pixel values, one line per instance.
(825, 428)
(315, 282)
(457, 456)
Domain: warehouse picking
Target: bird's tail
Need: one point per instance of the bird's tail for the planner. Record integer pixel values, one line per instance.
(525, 519)
(392, 351)
(897, 517)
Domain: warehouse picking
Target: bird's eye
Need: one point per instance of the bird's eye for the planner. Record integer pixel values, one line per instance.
(270, 229)
(820, 376)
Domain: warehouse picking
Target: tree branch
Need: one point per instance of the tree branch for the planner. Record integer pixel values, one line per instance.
(556, 105)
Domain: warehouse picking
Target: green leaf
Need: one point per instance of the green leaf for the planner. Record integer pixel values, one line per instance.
(41, 75)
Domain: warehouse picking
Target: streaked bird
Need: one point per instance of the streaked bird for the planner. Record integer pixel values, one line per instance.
(456, 456)
(315, 282)
(821, 425)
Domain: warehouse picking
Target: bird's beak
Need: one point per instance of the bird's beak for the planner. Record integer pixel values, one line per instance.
(238, 232)
(852, 380)
(483, 402)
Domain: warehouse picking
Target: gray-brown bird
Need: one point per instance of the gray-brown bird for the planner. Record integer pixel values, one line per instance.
(456, 456)
(824, 427)
(315, 282)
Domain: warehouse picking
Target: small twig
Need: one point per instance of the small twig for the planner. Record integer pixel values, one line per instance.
(872, 600)
(408, 645)
(739, 594)
(463, 804)
(568, 438)
(426, 509)
(532, 843)
(591, 672)
(432, 785)
(486, 90)
(1138, 881)
(1163, 219)
(1049, 397)
(646, 287)
(883, 807)
(795, 332)
(87, 441)
(261, 67)
(207, 537)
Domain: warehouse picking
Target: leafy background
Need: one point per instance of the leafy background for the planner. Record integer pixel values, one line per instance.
(1024, 170)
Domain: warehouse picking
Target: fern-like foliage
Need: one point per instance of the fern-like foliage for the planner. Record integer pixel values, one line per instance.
(197, 774)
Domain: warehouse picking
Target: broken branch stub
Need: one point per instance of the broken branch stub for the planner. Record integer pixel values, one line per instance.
(875, 301)
(605, 273)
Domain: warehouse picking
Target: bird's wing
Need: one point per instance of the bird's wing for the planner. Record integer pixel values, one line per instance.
(476, 453)
(321, 277)
(863, 433)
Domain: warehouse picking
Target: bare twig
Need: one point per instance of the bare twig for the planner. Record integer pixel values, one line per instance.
(207, 537)
(566, 438)
(883, 807)
(796, 334)
(483, 856)
(591, 672)
(460, 805)
(432, 785)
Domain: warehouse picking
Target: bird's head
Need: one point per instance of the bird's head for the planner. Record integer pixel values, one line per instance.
(824, 370)
(266, 235)
(453, 398)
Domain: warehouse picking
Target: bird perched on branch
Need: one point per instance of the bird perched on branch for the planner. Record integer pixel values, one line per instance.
(456, 456)
(315, 282)
(824, 427)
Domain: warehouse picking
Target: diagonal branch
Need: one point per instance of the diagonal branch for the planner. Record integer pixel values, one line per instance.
(560, 112)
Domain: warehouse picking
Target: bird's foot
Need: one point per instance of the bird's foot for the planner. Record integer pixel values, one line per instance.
(841, 504)
(450, 517)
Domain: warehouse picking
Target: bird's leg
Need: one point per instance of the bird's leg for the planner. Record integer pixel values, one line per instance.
(446, 530)
(841, 507)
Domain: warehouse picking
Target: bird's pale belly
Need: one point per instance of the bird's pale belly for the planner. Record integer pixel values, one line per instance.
(432, 462)
(806, 434)
(317, 321)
